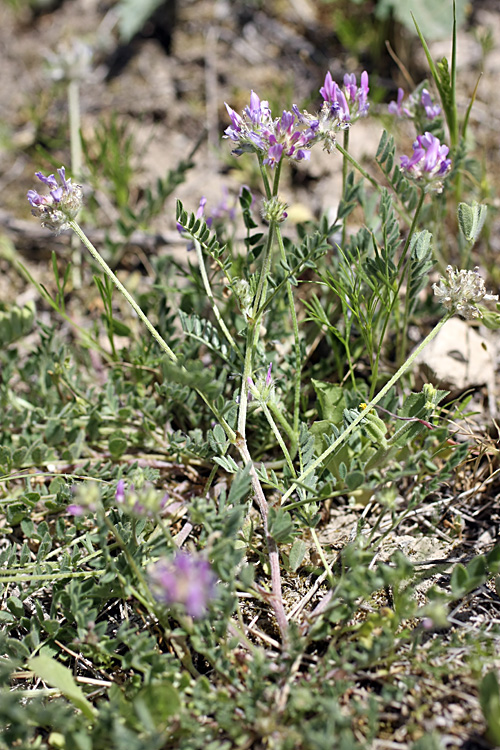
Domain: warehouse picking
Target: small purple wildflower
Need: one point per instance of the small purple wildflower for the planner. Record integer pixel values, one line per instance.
(60, 206)
(396, 108)
(293, 134)
(428, 164)
(274, 154)
(201, 210)
(186, 580)
(431, 110)
(120, 491)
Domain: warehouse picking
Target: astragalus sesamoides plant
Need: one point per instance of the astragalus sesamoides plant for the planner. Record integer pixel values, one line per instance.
(274, 140)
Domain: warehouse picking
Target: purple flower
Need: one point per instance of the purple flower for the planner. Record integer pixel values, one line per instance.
(431, 110)
(429, 164)
(342, 106)
(60, 206)
(274, 154)
(120, 491)
(186, 580)
(349, 102)
(396, 108)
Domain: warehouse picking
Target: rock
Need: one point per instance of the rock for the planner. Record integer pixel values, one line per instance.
(459, 358)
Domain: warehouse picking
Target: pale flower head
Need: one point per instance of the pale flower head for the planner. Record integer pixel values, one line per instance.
(462, 291)
(60, 205)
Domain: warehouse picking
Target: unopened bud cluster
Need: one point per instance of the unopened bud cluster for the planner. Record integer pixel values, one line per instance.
(244, 295)
(144, 502)
(274, 210)
(263, 389)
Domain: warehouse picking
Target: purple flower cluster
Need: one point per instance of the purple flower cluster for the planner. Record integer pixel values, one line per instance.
(256, 130)
(428, 165)
(424, 101)
(60, 206)
(294, 133)
(349, 102)
(186, 580)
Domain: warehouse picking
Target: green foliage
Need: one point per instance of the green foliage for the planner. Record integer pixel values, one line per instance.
(471, 220)
(57, 675)
(489, 698)
(15, 322)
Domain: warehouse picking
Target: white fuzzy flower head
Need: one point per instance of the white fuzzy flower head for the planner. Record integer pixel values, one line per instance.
(462, 291)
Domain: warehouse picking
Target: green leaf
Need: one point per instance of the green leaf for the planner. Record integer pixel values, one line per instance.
(354, 479)
(240, 486)
(194, 374)
(117, 444)
(5, 459)
(16, 322)
(493, 560)
(375, 428)
(297, 554)
(58, 676)
(434, 19)
(281, 526)
(459, 580)
(471, 219)
(491, 319)
(489, 699)
(156, 703)
(331, 400)
(133, 14)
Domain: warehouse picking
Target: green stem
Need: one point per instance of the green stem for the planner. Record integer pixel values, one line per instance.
(296, 339)
(133, 304)
(162, 343)
(253, 330)
(272, 547)
(399, 208)
(278, 437)
(412, 228)
(345, 167)
(265, 178)
(403, 339)
(278, 415)
(341, 439)
(348, 158)
(247, 373)
(322, 556)
(211, 298)
(147, 595)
